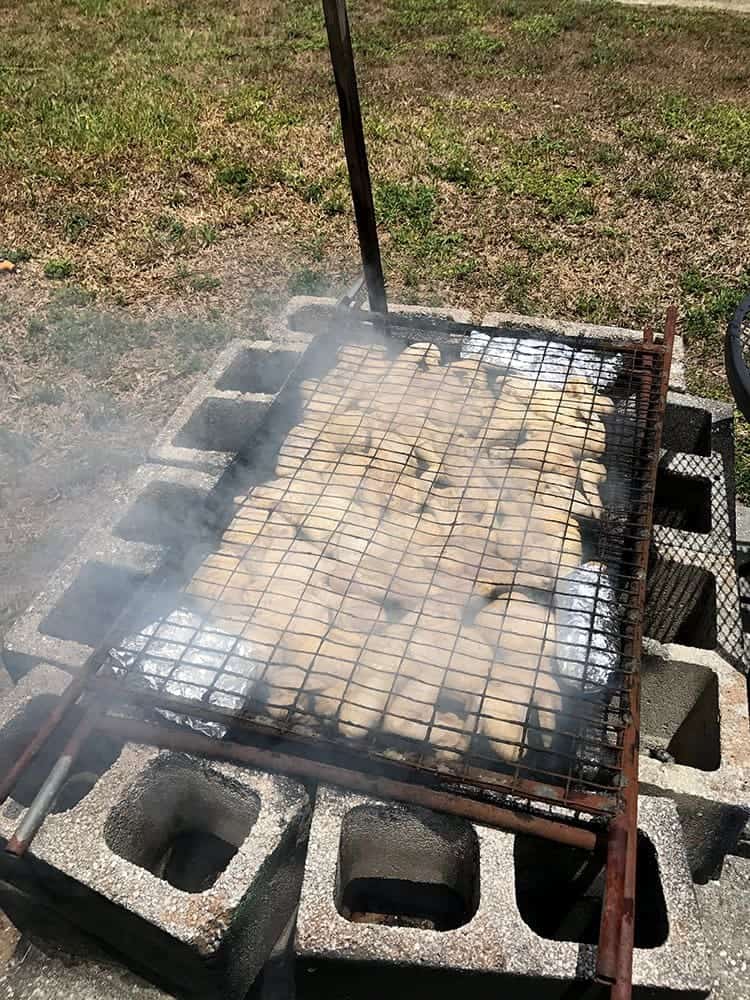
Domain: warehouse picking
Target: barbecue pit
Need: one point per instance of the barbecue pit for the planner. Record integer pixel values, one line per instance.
(432, 586)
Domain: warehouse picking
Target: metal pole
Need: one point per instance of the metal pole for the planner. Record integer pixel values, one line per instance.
(342, 58)
(615, 959)
(70, 697)
(44, 799)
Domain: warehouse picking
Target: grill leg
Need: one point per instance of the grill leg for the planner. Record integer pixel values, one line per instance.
(614, 901)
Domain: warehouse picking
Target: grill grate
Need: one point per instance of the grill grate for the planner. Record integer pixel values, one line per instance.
(441, 571)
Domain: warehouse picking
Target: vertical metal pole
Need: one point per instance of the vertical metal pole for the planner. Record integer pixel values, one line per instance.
(342, 58)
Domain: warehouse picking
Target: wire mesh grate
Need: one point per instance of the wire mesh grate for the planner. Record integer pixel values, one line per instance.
(440, 571)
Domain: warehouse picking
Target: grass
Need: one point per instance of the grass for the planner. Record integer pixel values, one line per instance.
(58, 268)
(576, 159)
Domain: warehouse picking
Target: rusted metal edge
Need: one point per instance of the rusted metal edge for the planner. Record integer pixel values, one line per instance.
(616, 935)
(69, 697)
(590, 802)
(377, 786)
(623, 986)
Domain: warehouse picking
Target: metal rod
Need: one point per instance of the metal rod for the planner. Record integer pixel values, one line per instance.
(623, 880)
(71, 694)
(593, 802)
(379, 787)
(45, 797)
(351, 295)
(342, 59)
(622, 988)
(612, 905)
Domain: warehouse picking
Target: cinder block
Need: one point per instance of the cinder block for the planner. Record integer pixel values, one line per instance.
(694, 425)
(311, 314)
(189, 869)
(395, 896)
(725, 911)
(695, 748)
(158, 516)
(217, 419)
(51, 960)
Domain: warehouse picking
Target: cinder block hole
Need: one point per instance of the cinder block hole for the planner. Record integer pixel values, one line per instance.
(258, 371)
(687, 429)
(182, 821)
(90, 605)
(167, 514)
(680, 712)
(683, 502)
(404, 868)
(97, 755)
(559, 891)
(220, 425)
(680, 604)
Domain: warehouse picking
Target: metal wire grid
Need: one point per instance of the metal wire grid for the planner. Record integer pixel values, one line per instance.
(304, 621)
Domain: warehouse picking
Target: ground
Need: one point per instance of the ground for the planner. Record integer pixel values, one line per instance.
(171, 171)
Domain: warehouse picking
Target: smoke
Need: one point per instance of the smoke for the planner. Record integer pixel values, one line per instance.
(407, 554)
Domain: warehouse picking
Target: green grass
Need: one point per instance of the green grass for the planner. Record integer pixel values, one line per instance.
(238, 177)
(655, 185)
(716, 132)
(73, 333)
(538, 28)
(204, 282)
(58, 269)
(405, 206)
(559, 192)
(710, 301)
(307, 281)
(15, 256)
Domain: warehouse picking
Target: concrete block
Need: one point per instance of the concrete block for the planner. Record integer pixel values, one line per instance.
(725, 911)
(572, 328)
(695, 748)
(189, 869)
(160, 514)
(217, 419)
(311, 314)
(395, 896)
(743, 525)
(695, 425)
(45, 958)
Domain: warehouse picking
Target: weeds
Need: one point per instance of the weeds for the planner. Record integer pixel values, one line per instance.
(238, 177)
(17, 256)
(710, 302)
(58, 269)
(658, 185)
